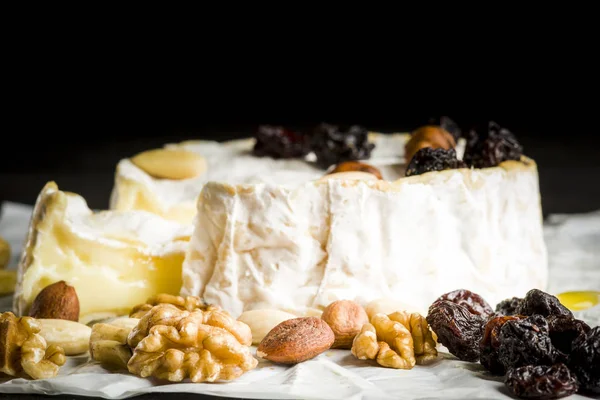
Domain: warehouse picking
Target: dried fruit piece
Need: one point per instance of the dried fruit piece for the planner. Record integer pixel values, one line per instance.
(279, 142)
(56, 301)
(542, 303)
(387, 341)
(471, 301)
(541, 381)
(348, 166)
(488, 347)
(24, 352)
(456, 328)
(429, 159)
(423, 342)
(333, 144)
(584, 360)
(489, 147)
(564, 330)
(296, 340)
(509, 306)
(526, 341)
(345, 318)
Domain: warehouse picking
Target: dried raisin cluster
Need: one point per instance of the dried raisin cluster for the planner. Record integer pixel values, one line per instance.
(279, 142)
(489, 147)
(429, 159)
(541, 348)
(333, 144)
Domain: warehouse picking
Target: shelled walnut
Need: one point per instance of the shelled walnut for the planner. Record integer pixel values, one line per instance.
(23, 352)
(204, 346)
(188, 303)
(398, 340)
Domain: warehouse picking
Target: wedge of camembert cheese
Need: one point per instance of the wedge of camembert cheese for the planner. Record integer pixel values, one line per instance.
(298, 249)
(137, 187)
(114, 259)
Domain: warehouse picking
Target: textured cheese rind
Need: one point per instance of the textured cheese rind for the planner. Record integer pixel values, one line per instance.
(267, 246)
(233, 162)
(114, 259)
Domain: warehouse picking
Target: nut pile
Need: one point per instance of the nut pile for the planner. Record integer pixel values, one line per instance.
(535, 342)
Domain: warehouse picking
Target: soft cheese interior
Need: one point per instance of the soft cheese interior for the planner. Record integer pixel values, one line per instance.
(114, 259)
(233, 162)
(265, 245)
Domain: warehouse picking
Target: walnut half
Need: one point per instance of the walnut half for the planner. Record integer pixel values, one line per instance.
(23, 352)
(204, 346)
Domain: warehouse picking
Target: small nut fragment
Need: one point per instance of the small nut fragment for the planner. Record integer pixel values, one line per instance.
(4, 253)
(428, 136)
(189, 303)
(56, 301)
(262, 321)
(8, 280)
(23, 352)
(348, 166)
(345, 318)
(170, 163)
(72, 336)
(108, 345)
(387, 341)
(423, 341)
(296, 340)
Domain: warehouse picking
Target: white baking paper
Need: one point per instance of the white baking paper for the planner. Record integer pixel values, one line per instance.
(574, 257)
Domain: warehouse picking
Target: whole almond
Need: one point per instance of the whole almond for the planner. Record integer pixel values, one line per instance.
(262, 321)
(56, 301)
(346, 318)
(72, 336)
(170, 164)
(296, 340)
(348, 166)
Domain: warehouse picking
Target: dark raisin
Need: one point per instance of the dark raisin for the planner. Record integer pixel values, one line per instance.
(542, 303)
(456, 328)
(472, 301)
(429, 159)
(488, 347)
(333, 144)
(508, 306)
(448, 125)
(489, 147)
(279, 142)
(541, 381)
(584, 360)
(526, 341)
(564, 330)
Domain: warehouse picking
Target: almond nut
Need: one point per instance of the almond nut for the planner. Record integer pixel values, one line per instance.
(8, 280)
(56, 301)
(349, 175)
(72, 336)
(345, 318)
(348, 166)
(262, 321)
(4, 253)
(296, 340)
(170, 164)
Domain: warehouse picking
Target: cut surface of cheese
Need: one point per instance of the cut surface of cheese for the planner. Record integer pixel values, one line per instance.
(114, 259)
(234, 163)
(265, 245)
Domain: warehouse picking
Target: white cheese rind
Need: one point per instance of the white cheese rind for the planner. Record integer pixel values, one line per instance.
(114, 259)
(268, 246)
(233, 162)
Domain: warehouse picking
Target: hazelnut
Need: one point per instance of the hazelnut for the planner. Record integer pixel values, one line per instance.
(348, 166)
(345, 318)
(428, 136)
(56, 301)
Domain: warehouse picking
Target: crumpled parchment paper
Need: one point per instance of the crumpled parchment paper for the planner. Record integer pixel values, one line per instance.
(574, 257)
